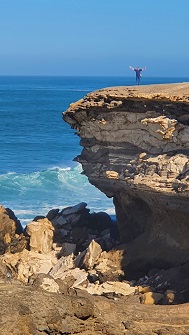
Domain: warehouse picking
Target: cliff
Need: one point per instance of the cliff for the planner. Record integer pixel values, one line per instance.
(135, 149)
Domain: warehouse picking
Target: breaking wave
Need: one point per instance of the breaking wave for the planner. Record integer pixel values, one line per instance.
(36, 193)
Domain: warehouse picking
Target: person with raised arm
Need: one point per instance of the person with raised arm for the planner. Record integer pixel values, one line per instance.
(138, 73)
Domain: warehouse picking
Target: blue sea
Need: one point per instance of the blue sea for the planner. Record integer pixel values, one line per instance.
(37, 148)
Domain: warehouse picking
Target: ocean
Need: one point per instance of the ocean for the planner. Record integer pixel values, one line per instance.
(37, 148)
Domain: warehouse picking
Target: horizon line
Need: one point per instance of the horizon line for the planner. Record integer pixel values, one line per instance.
(102, 76)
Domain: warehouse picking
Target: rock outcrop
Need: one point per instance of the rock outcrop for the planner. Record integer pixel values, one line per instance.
(136, 150)
(11, 232)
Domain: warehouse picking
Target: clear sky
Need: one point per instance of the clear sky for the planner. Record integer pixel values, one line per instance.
(94, 37)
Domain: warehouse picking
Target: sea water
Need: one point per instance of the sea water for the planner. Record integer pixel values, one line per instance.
(37, 148)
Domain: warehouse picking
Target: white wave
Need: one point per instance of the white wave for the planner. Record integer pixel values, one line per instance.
(110, 211)
(23, 211)
(58, 168)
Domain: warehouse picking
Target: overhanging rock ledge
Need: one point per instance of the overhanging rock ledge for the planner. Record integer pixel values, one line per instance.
(136, 149)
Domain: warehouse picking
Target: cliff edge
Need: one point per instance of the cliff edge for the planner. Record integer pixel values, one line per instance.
(136, 150)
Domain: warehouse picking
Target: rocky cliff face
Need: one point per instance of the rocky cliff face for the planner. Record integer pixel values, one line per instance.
(136, 149)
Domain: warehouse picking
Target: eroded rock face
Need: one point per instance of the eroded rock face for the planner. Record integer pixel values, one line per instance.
(11, 232)
(41, 235)
(136, 150)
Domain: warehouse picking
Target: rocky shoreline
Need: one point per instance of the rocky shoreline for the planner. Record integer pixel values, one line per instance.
(76, 272)
(71, 260)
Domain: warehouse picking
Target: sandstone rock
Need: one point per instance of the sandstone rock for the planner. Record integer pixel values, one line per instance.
(92, 255)
(151, 298)
(12, 216)
(144, 289)
(11, 237)
(41, 235)
(117, 288)
(49, 284)
(109, 266)
(63, 264)
(135, 150)
(27, 263)
(80, 276)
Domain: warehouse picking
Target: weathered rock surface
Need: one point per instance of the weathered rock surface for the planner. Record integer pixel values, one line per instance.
(31, 310)
(64, 291)
(11, 232)
(136, 149)
(41, 235)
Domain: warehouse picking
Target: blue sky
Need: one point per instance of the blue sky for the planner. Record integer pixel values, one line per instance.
(94, 37)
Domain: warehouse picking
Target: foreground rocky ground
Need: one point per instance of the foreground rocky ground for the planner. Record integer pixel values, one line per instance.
(29, 310)
(63, 275)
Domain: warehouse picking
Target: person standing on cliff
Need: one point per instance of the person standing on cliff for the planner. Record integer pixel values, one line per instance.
(138, 73)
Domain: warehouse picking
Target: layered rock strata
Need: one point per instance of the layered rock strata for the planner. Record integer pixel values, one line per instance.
(136, 150)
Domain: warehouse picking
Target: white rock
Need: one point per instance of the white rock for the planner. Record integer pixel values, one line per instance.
(65, 263)
(79, 275)
(109, 287)
(93, 252)
(48, 284)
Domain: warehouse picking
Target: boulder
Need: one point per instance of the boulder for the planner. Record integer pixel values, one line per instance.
(11, 232)
(92, 255)
(74, 209)
(151, 298)
(41, 235)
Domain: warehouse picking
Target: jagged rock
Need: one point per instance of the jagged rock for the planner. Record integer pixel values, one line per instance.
(59, 221)
(135, 149)
(63, 264)
(74, 209)
(79, 276)
(49, 284)
(79, 258)
(12, 216)
(109, 266)
(11, 232)
(41, 235)
(52, 214)
(18, 243)
(67, 249)
(27, 263)
(92, 255)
